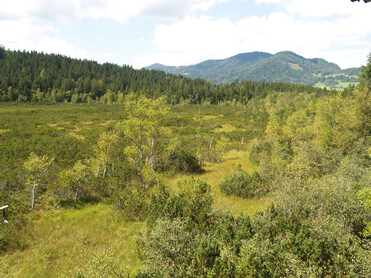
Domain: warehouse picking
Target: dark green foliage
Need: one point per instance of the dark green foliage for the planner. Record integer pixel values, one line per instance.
(242, 184)
(11, 233)
(193, 202)
(183, 161)
(295, 238)
(218, 250)
(365, 76)
(163, 204)
(285, 245)
(2, 52)
(37, 77)
(165, 247)
(196, 199)
(132, 201)
(185, 238)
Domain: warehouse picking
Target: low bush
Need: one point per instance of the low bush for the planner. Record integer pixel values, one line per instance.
(133, 203)
(184, 161)
(241, 184)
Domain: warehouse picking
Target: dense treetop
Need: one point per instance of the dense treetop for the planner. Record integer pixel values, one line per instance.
(39, 77)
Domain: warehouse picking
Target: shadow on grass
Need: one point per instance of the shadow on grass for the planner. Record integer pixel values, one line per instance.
(81, 203)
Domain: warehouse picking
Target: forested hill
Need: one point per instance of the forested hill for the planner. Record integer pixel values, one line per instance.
(49, 78)
(260, 66)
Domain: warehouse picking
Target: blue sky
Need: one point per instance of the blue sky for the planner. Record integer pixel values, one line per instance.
(184, 32)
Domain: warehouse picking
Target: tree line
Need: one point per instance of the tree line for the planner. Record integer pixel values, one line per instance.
(49, 78)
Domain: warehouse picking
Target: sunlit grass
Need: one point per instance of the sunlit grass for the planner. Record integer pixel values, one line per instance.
(225, 128)
(215, 173)
(62, 242)
(4, 130)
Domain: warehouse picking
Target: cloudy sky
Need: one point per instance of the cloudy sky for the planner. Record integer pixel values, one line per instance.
(183, 32)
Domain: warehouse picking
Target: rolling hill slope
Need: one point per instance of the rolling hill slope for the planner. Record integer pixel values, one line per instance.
(283, 66)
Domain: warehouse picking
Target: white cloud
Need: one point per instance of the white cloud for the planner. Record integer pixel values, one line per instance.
(267, 1)
(320, 8)
(198, 38)
(32, 24)
(313, 28)
(204, 5)
(24, 36)
(196, 35)
(71, 11)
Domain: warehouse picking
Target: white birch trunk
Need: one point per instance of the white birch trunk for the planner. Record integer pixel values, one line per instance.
(33, 195)
(77, 190)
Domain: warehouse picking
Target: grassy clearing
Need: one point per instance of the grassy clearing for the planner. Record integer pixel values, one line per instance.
(216, 173)
(65, 240)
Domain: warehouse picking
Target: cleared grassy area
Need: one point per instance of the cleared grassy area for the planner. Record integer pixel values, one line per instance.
(65, 241)
(216, 173)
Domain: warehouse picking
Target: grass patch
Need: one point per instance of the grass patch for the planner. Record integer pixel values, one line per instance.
(226, 128)
(63, 241)
(215, 173)
(77, 136)
(4, 130)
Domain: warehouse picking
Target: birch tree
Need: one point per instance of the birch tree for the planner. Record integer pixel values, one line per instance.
(75, 178)
(147, 139)
(104, 151)
(143, 130)
(36, 167)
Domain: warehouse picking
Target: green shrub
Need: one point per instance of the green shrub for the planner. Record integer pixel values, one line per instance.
(133, 203)
(183, 161)
(165, 248)
(241, 184)
(196, 202)
(284, 245)
(101, 265)
(12, 233)
(163, 204)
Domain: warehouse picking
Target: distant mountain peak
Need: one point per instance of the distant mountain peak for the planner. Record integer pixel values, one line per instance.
(284, 66)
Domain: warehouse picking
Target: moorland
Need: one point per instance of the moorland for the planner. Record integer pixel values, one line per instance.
(113, 172)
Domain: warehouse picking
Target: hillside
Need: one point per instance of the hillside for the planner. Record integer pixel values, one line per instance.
(49, 78)
(284, 66)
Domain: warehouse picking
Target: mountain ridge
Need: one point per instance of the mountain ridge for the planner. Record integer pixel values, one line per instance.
(284, 66)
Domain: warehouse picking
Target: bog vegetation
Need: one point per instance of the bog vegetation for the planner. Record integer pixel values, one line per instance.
(162, 176)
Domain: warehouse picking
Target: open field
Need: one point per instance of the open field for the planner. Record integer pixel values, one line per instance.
(65, 242)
